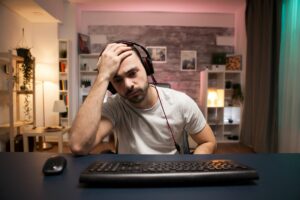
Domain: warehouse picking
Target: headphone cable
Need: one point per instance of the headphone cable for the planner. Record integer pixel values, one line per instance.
(172, 134)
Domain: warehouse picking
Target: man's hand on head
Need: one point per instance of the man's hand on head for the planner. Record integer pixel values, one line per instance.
(111, 58)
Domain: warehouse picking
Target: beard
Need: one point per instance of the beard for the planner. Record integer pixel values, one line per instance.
(137, 95)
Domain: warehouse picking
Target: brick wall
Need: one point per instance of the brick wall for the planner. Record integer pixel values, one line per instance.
(200, 39)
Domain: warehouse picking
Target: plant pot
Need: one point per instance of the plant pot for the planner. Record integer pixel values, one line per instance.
(22, 52)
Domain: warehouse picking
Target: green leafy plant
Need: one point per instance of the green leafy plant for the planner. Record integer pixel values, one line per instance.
(237, 93)
(27, 66)
(27, 72)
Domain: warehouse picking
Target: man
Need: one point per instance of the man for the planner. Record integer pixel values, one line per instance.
(147, 119)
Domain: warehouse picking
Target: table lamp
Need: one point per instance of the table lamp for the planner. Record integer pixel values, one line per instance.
(215, 99)
(60, 107)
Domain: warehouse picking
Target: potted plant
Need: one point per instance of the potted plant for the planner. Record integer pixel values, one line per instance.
(237, 94)
(27, 73)
(27, 67)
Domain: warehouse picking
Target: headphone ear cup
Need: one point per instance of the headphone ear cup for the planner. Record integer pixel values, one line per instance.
(111, 88)
(147, 62)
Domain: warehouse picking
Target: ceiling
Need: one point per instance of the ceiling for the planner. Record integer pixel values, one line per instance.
(31, 11)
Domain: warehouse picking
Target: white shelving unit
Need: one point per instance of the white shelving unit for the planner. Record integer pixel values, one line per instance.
(13, 97)
(87, 74)
(222, 111)
(64, 68)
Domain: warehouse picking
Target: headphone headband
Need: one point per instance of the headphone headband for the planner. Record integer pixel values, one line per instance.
(133, 44)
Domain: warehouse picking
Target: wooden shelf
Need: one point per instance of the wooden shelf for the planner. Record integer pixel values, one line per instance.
(14, 119)
(16, 124)
(24, 91)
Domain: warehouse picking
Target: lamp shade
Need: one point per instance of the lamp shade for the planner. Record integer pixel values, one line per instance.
(215, 98)
(59, 106)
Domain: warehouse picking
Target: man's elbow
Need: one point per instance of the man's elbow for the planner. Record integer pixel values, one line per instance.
(214, 146)
(77, 150)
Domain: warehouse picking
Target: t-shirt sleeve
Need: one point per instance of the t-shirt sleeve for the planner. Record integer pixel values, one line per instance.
(109, 110)
(195, 120)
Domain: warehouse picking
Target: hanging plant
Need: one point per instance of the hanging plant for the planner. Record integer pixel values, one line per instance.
(27, 67)
(27, 73)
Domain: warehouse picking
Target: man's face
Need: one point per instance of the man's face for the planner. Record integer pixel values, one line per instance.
(130, 80)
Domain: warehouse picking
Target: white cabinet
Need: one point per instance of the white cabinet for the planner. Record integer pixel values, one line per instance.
(220, 100)
(87, 74)
(17, 96)
(64, 69)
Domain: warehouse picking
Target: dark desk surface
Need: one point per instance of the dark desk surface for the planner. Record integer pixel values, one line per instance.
(21, 178)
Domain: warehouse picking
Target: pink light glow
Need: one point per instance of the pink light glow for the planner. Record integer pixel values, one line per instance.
(188, 6)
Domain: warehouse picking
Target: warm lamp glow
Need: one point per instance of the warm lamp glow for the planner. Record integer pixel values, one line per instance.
(44, 72)
(215, 98)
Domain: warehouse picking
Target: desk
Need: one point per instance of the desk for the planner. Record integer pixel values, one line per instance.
(21, 178)
(40, 131)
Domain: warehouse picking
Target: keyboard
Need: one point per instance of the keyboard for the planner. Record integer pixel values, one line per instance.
(167, 173)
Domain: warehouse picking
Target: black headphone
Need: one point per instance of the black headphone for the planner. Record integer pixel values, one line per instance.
(146, 60)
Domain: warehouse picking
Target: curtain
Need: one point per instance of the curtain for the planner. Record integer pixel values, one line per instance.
(259, 121)
(289, 92)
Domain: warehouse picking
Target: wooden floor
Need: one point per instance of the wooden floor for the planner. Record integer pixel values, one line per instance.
(223, 148)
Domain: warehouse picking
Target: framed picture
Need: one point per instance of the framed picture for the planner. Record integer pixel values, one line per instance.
(158, 53)
(188, 60)
(83, 43)
(234, 62)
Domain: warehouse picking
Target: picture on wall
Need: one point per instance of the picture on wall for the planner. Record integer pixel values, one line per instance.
(158, 53)
(83, 43)
(234, 62)
(188, 60)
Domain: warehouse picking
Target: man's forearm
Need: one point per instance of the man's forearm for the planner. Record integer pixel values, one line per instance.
(205, 148)
(84, 128)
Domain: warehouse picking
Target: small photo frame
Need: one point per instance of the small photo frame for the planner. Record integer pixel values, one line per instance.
(188, 60)
(158, 53)
(234, 62)
(83, 43)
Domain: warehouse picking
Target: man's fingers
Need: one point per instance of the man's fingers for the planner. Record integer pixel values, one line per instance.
(125, 54)
(122, 49)
(114, 46)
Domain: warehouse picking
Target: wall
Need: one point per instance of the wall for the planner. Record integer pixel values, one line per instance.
(45, 49)
(181, 31)
(174, 38)
(88, 18)
(11, 29)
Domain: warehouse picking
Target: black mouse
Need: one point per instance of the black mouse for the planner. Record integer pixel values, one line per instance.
(54, 165)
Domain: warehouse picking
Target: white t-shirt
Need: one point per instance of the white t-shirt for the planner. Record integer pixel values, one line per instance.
(145, 131)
